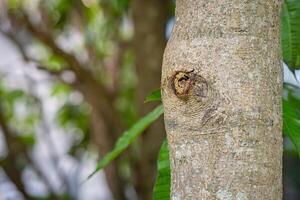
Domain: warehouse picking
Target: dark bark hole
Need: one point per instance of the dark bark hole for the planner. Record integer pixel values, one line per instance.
(181, 83)
(184, 78)
(186, 84)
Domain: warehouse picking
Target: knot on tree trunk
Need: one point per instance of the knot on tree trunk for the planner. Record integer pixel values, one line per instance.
(192, 90)
(193, 96)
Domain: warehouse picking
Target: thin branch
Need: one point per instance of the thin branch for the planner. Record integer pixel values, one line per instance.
(83, 76)
(20, 47)
(54, 156)
(9, 164)
(16, 42)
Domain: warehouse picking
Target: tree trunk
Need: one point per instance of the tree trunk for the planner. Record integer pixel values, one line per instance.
(150, 19)
(221, 85)
(104, 142)
(106, 129)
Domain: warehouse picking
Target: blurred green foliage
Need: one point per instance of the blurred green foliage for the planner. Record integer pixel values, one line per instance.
(21, 113)
(290, 33)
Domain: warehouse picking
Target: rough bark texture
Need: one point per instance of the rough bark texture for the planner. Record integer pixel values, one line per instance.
(150, 18)
(221, 85)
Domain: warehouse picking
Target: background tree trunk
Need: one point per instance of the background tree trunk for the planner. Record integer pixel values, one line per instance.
(150, 19)
(222, 84)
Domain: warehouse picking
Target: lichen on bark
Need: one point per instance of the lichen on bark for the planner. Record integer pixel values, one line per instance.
(225, 134)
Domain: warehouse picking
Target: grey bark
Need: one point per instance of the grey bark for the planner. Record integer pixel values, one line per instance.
(221, 86)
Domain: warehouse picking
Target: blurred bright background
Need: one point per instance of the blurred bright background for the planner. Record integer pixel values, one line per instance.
(74, 76)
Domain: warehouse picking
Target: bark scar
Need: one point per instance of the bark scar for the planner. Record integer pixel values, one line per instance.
(182, 81)
(186, 84)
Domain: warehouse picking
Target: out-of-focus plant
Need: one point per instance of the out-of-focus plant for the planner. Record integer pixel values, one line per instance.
(290, 34)
(86, 47)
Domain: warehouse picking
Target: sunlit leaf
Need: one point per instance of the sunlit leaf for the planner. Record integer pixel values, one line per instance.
(54, 63)
(128, 137)
(14, 4)
(162, 186)
(59, 89)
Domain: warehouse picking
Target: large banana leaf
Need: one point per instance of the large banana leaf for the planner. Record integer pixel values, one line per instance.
(291, 114)
(162, 186)
(290, 33)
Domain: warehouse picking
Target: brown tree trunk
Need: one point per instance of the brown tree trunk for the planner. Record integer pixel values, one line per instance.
(221, 83)
(104, 143)
(10, 163)
(105, 132)
(150, 18)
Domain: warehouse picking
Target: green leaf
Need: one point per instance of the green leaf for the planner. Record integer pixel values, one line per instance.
(54, 63)
(70, 115)
(14, 4)
(117, 7)
(59, 89)
(128, 137)
(27, 139)
(291, 114)
(162, 186)
(153, 96)
(290, 33)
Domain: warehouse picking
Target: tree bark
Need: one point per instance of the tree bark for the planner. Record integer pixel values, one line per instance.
(150, 19)
(221, 86)
(106, 129)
